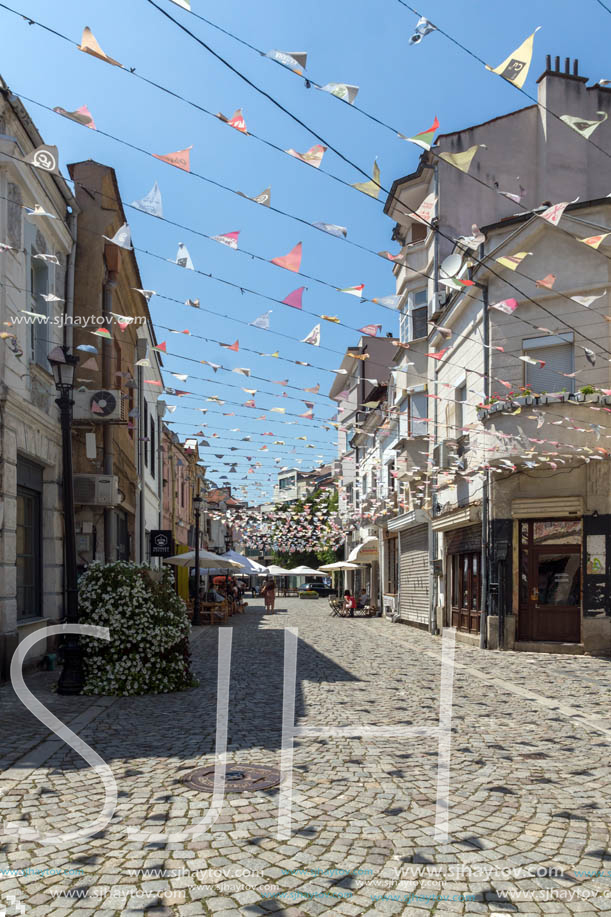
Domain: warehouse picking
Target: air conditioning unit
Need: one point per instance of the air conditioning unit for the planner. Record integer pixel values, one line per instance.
(101, 406)
(96, 489)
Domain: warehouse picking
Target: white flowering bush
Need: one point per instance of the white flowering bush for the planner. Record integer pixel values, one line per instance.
(148, 650)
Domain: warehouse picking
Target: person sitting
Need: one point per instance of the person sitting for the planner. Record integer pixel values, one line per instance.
(349, 602)
(363, 598)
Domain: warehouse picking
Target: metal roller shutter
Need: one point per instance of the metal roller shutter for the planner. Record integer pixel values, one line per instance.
(414, 574)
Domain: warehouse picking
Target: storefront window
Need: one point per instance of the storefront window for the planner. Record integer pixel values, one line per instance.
(556, 531)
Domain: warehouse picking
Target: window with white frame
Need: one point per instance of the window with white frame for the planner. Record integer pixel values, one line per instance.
(556, 352)
(414, 317)
(460, 397)
(39, 281)
(417, 411)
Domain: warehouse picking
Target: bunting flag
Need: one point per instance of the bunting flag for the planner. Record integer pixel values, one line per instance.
(473, 241)
(392, 301)
(515, 68)
(313, 156)
(343, 91)
(331, 318)
(292, 261)
(265, 198)
(534, 362)
(146, 293)
(151, 202)
(241, 370)
(423, 27)
(554, 213)
(314, 390)
(583, 127)
(262, 321)
(182, 377)
(371, 187)
(294, 299)
(294, 60)
(194, 303)
(594, 241)
(354, 291)
(513, 261)
(426, 211)
(87, 348)
(508, 306)
(313, 337)
(183, 258)
(90, 46)
(102, 333)
(332, 229)
(372, 330)
(425, 138)
(122, 237)
(230, 239)
(185, 4)
(309, 415)
(546, 282)
(38, 211)
(587, 301)
(82, 115)
(461, 161)
(181, 159)
(162, 348)
(438, 355)
(51, 297)
(237, 120)
(235, 346)
(45, 157)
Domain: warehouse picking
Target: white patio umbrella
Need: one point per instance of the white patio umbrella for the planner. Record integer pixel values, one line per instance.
(305, 571)
(250, 566)
(274, 570)
(338, 565)
(207, 561)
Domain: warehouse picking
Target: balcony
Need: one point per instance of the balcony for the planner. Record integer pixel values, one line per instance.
(570, 432)
(413, 261)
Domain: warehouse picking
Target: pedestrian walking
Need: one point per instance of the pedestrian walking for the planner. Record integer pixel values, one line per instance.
(269, 595)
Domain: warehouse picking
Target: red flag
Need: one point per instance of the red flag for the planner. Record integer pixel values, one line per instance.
(235, 346)
(438, 355)
(181, 159)
(292, 261)
(294, 298)
(161, 347)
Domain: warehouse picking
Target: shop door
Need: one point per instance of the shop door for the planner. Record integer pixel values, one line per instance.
(550, 607)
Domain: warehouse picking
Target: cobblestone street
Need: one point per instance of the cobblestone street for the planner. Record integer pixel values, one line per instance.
(530, 786)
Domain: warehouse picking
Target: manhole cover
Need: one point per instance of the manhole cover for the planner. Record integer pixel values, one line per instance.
(250, 778)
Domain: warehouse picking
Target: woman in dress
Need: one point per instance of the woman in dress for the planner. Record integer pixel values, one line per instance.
(269, 595)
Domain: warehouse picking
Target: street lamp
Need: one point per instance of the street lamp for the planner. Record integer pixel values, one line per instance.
(197, 507)
(64, 364)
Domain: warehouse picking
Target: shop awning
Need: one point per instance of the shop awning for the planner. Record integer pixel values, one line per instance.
(365, 552)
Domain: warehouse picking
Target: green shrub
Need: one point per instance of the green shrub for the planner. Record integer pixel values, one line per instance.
(148, 650)
(308, 594)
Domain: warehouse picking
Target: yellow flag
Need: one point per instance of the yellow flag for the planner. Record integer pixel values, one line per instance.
(512, 261)
(515, 68)
(372, 187)
(594, 241)
(462, 160)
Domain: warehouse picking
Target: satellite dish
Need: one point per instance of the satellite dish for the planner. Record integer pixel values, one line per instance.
(451, 265)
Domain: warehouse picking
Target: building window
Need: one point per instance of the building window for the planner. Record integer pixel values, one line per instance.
(364, 485)
(286, 483)
(144, 429)
(122, 529)
(557, 352)
(417, 411)
(460, 397)
(153, 446)
(39, 278)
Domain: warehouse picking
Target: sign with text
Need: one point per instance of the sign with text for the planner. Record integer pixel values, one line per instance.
(161, 543)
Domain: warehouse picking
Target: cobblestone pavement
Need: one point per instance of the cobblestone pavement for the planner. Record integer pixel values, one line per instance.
(529, 804)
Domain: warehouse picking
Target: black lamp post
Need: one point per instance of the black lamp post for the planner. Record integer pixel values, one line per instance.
(64, 364)
(197, 506)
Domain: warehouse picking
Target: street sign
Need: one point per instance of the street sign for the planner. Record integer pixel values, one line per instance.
(161, 543)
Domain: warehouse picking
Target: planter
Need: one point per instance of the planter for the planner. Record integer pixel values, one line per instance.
(554, 398)
(524, 400)
(308, 595)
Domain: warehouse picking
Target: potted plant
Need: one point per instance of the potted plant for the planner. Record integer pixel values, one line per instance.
(308, 594)
(587, 393)
(526, 396)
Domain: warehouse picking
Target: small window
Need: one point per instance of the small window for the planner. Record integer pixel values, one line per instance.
(153, 446)
(417, 411)
(460, 397)
(419, 232)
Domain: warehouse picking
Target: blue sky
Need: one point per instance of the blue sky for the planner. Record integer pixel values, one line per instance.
(355, 42)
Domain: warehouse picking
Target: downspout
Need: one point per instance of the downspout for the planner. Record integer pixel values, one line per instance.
(483, 632)
(432, 534)
(111, 259)
(141, 493)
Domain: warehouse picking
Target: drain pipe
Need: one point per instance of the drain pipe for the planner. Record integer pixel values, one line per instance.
(69, 284)
(483, 631)
(111, 260)
(433, 538)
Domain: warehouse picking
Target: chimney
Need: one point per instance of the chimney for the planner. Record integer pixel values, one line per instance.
(557, 72)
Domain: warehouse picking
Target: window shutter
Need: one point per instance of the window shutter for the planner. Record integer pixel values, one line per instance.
(558, 359)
